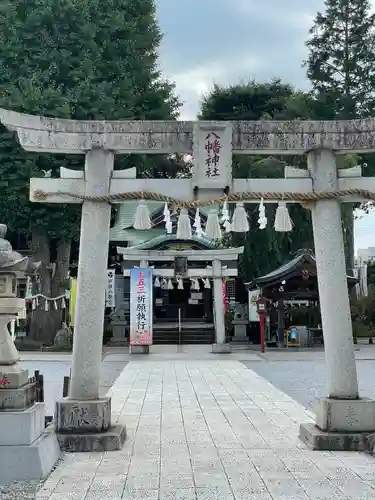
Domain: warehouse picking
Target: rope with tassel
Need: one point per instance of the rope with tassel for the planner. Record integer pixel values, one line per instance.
(213, 229)
(303, 198)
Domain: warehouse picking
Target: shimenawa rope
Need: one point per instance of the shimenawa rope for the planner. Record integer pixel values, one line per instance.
(40, 195)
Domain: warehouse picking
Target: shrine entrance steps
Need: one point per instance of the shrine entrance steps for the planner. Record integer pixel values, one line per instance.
(191, 333)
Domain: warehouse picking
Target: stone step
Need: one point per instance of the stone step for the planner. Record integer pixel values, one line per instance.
(187, 336)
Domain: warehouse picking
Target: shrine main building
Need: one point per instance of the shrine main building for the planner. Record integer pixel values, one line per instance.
(183, 276)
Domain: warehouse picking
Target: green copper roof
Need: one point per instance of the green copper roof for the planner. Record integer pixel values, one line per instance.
(126, 212)
(287, 270)
(165, 238)
(133, 237)
(123, 231)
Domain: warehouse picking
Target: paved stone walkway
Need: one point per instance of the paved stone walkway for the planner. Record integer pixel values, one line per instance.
(54, 367)
(208, 430)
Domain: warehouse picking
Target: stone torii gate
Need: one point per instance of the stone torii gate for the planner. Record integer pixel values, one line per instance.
(83, 420)
(215, 271)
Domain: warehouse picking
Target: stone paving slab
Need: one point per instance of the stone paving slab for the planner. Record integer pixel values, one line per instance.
(54, 367)
(208, 430)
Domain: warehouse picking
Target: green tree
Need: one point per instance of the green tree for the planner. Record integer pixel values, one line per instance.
(80, 59)
(264, 249)
(341, 68)
(341, 57)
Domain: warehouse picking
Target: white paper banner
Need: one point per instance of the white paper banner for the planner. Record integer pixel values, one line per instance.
(29, 288)
(110, 292)
(13, 329)
(253, 297)
(22, 314)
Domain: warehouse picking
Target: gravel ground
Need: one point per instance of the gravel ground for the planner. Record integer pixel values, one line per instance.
(20, 491)
(306, 380)
(23, 490)
(54, 373)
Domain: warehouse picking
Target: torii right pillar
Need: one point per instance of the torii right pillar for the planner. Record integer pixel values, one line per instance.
(343, 419)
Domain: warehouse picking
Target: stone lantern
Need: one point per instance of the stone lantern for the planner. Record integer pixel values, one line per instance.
(27, 449)
(10, 305)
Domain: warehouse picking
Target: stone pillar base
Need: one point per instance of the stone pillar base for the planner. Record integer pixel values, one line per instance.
(85, 426)
(118, 342)
(221, 348)
(240, 329)
(139, 349)
(111, 440)
(18, 398)
(340, 425)
(240, 339)
(22, 427)
(28, 451)
(14, 375)
(316, 439)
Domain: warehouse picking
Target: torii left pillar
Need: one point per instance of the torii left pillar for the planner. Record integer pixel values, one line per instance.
(83, 419)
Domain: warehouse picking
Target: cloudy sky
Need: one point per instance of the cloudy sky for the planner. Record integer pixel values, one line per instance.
(226, 41)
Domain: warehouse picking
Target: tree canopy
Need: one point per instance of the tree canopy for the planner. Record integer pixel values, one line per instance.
(264, 249)
(341, 68)
(80, 59)
(74, 59)
(341, 57)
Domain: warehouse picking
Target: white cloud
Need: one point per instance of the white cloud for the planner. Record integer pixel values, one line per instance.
(364, 231)
(207, 42)
(192, 84)
(296, 17)
(227, 41)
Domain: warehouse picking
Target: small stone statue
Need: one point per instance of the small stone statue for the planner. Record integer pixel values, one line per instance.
(118, 315)
(63, 338)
